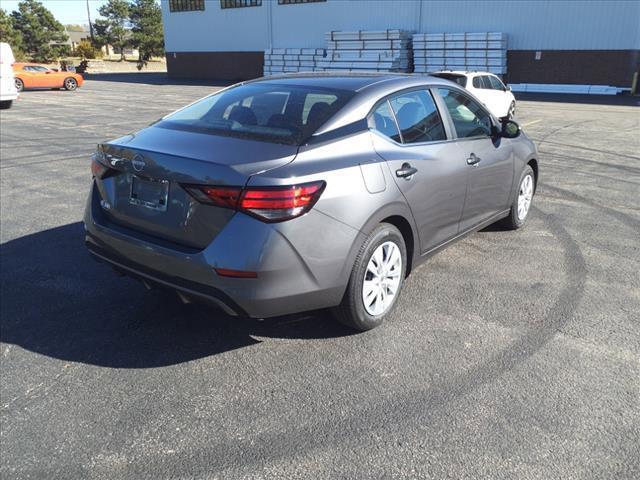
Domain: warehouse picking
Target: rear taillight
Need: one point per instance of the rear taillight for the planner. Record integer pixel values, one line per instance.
(269, 204)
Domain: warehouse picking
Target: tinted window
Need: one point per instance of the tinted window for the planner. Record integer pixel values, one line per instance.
(496, 84)
(477, 82)
(469, 118)
(418, 117)
(385, 123)
(261, 111)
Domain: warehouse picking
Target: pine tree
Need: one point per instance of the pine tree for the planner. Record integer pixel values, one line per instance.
(40, 31)
(9, 34)
(112, 30)
(146, 23)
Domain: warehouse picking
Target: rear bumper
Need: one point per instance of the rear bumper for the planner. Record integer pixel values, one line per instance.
(7, 96)
(296, 270)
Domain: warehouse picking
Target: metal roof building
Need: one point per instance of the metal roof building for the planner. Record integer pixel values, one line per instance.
(549, 41)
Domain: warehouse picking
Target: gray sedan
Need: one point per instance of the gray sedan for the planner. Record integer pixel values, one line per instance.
(306, 191)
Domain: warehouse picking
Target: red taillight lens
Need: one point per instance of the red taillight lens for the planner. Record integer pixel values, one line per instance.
(219, 196)
(98, 169)
(269, 204)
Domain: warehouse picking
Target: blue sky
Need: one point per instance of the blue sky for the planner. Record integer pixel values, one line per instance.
(65, 11)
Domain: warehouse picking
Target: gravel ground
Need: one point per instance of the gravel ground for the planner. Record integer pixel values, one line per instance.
(511, 355)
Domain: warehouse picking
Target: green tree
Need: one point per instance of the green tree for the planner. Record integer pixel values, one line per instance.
(146, 25)
(9, 34)
(42, 35)
(112, 29)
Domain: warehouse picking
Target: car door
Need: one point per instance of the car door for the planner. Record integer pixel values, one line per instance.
(489, 159)
(26, 75)
(410, 135)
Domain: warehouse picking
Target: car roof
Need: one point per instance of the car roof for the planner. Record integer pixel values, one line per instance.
(355, 82)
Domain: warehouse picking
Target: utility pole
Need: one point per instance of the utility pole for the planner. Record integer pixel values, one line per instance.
(90, 24)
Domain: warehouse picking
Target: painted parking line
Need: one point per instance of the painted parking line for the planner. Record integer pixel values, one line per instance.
(528, 124)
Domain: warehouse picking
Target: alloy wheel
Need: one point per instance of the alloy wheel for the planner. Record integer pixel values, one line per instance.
(524, 196)
(382, 279)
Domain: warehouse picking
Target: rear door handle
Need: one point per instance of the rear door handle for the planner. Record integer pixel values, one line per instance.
(406, 171)
(473, 160)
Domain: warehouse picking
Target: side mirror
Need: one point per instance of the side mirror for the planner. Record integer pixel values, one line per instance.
(510, 129)
(507, 88)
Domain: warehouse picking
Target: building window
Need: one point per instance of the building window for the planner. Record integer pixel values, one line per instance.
(186, 5)
(291, 2)
(240, 3)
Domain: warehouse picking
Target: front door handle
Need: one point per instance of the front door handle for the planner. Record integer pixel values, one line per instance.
(406, 171)
(473, 160)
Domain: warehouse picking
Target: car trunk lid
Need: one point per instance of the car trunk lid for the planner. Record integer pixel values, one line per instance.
(143, 190)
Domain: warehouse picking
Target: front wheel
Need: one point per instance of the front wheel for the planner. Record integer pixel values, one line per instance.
(376, 279)
(19, 85)
(512, 111)
(522, 203)
(70, 84)
(5, 104)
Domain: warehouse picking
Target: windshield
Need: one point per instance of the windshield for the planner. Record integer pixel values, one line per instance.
(261, 111)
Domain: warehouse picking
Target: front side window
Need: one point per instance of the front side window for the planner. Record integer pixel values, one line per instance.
(384, 122)
(186, 5)
(469, 118)
(418, 117)
(496, 84)
(277, 113)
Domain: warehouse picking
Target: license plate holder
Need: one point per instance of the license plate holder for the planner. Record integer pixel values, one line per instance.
(153, 194)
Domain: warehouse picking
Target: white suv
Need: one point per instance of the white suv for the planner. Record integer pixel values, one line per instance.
(8, 92)
(488, 88)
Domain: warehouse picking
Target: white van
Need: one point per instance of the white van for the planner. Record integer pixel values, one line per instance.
(8, 92)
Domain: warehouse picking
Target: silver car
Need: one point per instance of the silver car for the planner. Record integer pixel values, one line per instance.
(303, 192)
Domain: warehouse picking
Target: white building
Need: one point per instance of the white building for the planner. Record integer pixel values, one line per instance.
(549, 41)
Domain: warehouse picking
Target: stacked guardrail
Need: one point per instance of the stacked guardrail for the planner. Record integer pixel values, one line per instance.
(460, 51)
(285, 60)
(367, 50)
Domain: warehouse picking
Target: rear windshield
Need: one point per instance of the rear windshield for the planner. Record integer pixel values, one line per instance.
(261, 111)
(459, 79)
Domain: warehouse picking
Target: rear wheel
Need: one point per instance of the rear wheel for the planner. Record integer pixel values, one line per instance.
(19, 84)
(6, 104)
(376, 279)
(522, 203)
(70, 83)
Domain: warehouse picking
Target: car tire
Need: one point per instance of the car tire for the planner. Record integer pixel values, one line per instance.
(524, 198)
(19, 84)
(6, 104)
(512, 111)
(70, 84)
(387, 240)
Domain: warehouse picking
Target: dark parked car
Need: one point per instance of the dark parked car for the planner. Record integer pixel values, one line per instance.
(302, 192)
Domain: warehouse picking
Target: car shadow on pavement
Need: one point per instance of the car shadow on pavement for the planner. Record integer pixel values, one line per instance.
(59, 302)
(154, 78)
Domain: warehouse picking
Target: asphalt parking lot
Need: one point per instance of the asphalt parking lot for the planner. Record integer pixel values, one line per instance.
(511, 355)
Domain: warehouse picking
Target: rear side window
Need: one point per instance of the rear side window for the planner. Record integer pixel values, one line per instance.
(469, 118)
(477, 82)
(459, 79)
(385, 123)
(418, 117)
(269, 112)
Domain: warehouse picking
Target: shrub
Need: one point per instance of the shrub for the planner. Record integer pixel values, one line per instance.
(85, 49)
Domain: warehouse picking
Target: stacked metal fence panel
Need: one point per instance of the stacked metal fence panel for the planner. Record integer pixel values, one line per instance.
(285, 60)
(460, 51)
(367, 50)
